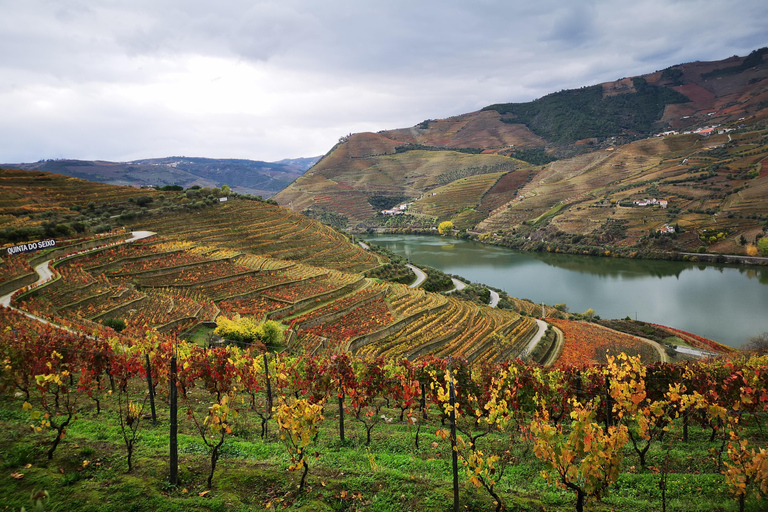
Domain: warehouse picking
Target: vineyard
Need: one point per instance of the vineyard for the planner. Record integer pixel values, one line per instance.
(268, 231)
(346, 432)
(357, 402)
(592, 344)
(175, 285)
(445, 201)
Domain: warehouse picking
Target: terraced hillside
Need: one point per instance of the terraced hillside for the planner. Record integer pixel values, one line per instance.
(257, 260)
(265, 230)
(710, 185)
(709, 166)
(173, 286)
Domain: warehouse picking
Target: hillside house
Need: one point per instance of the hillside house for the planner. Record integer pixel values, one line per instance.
(651, 202)
(667, 229)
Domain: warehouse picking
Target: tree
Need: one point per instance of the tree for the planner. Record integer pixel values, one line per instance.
(248, 330)
(758, 344)
(762, 244)
(445, 227)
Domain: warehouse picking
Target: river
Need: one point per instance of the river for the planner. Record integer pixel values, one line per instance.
(721, 302)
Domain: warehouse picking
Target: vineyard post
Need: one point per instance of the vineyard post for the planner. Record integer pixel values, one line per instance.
(454, 448)
(578, 386)
(341, 415)
(423, 402)
(174, 476)
(151, 388)
(111, 378)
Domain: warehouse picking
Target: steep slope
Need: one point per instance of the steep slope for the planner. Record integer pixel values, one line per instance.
(235, 257)
(713, 116)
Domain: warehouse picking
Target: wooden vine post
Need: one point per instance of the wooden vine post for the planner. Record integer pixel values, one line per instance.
(151, 389)
(454, 447)
(174, 474)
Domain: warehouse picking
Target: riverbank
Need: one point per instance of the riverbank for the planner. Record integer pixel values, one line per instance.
(721, 302)
(538, 246)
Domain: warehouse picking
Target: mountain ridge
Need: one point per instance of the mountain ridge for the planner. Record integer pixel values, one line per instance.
(710, 117)
(242, 175)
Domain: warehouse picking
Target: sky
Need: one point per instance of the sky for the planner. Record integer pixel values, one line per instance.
(121, 80)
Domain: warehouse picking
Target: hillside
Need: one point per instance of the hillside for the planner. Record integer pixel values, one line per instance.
(244, 176)
(567, 168)
(269, 263)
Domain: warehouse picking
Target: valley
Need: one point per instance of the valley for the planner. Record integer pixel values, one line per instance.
(316, 371)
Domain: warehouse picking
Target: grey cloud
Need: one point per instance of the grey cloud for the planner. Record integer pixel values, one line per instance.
(96, 79)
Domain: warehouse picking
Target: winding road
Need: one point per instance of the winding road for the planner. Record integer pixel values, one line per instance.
(536, 338)
(44, 271)
(420, 276)
(457, 285)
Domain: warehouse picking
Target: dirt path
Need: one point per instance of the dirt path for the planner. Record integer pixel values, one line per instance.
(555, 354)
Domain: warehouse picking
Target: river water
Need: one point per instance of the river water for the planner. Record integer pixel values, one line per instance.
(721, 302)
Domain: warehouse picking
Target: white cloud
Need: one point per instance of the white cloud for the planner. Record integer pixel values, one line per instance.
(275, 79)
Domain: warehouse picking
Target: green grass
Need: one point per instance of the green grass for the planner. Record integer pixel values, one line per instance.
(548, 214)
(391, 475)
(200, 336)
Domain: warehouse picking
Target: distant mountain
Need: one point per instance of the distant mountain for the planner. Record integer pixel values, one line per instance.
(558, 167)
(300, 163)
(244, 176)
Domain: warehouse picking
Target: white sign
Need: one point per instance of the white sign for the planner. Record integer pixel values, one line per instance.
(32, 246)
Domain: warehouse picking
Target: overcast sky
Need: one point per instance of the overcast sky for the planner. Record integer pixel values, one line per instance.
(127, 79)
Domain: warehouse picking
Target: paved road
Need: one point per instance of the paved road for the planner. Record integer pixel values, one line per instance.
(420, 276)
(536, 338)
(460, 285)
(494, 299)
(44, 272)
(457, 285)
(696, 352)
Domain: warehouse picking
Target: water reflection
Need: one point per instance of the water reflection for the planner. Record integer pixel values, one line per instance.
(723, 302)
(613, 267)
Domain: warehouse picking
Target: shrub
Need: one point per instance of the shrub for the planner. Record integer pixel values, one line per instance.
(117, 324)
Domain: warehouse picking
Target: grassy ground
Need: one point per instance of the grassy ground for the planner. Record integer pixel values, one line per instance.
(391, 475)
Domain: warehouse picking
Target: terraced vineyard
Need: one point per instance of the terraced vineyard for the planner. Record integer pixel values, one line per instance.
(590, 343)
(464, 193)
(265, 230)
(450, 328)
(271, 264)
(706, 157)
(259, 260)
